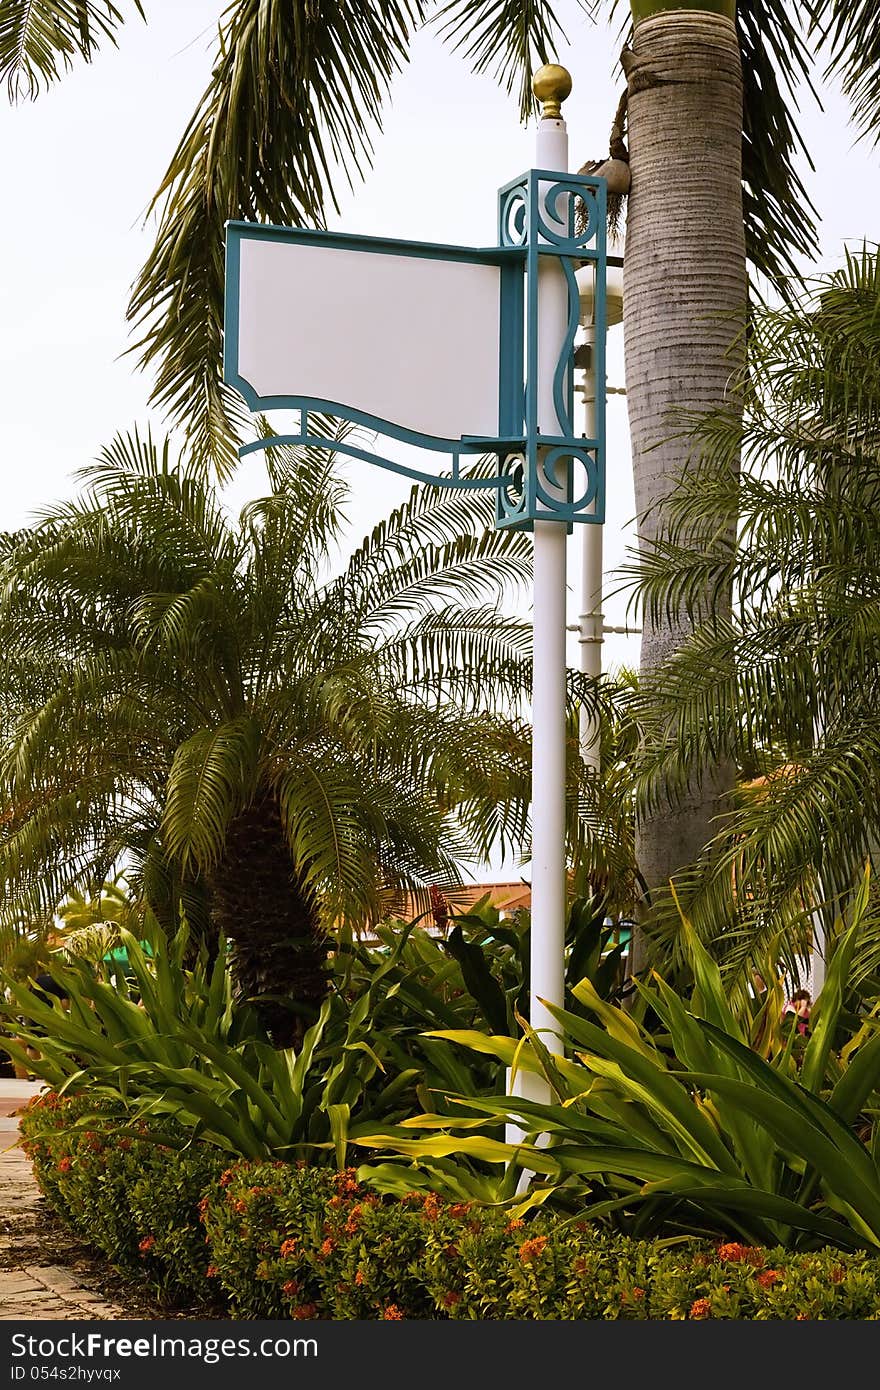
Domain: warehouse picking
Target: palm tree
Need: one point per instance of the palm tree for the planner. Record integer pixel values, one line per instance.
(713, 184)
(279, 747)
(297, 92)
(786, 686)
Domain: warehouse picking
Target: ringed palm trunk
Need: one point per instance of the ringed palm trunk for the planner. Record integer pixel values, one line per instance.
(684, 306)
(279, 951)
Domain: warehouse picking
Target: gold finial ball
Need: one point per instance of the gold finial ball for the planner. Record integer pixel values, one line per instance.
(551, 84)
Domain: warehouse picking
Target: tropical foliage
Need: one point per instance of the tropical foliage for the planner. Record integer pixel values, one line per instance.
(712, 1124)
(277, 747)
(165, 1042)
(160, 1034)
(786, 688)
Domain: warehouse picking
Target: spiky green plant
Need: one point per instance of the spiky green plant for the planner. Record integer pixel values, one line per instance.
(693, 1129)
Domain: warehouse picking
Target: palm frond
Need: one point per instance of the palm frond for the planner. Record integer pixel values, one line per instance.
(40, 39)
(295, 93)
(167, 671)
(849, 29)
(509, 38)
(213, 776)
(785, 685)
(779, 216)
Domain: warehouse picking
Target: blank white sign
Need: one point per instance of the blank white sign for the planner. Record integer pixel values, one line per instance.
(411, 340)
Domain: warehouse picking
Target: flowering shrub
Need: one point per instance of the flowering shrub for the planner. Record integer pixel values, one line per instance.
(765, 1285)
(262, 1223)
(280, 1240)
(308, 1243)
(134, 1199)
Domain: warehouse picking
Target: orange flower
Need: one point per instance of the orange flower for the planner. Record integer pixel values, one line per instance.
(838, 1274)
(288, 1248)
(514, 1224)
(701, 1308)
(64, 1165)
(147, 1244)
(328, 1247)
(359, 1278)
(450, 1299)
(226, 1178)
(530, 1248)
(212, 1271)
(431, 1206)
(803, 1317)
(354, 1220)
(460, 1209)
(769, 1278)
(638, 1293)
(392, 1313)
(291, 1288)
(305, 1310)
(741, 1254)
(347, 1184)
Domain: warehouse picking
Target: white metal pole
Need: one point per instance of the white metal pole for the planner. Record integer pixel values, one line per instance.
(549, 676)
(590, 617)
(547, 963)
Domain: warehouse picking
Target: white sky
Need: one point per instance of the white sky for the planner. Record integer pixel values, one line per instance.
(80, 165)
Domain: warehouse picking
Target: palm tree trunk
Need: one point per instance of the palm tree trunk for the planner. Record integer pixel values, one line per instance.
(279, 952)
(684, 308)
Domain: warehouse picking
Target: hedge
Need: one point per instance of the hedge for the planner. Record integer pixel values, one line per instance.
(274, 1240)
(134, 1199)
(309, 1243)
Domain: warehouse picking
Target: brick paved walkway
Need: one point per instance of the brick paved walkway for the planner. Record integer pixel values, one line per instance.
(31, 1285)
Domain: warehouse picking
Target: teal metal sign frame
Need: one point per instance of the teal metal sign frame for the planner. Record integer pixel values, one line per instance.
(539, 477)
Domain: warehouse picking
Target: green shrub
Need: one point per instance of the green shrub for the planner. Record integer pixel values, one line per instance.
(135, 1200)
(296, 1243)
(292, 1242)
(260, 1219)
(301, 1243)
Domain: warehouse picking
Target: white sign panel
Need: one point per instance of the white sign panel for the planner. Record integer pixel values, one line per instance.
(407, 336)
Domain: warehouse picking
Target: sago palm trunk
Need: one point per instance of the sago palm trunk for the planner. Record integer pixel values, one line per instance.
(278, 949)
(684, 307)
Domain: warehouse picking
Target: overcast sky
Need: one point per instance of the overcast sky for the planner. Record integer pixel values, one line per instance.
(80, 164)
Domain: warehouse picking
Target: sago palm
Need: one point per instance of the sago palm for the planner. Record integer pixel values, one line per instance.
(201, 699)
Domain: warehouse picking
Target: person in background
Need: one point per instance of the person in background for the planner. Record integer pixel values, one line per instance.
(800, 1004)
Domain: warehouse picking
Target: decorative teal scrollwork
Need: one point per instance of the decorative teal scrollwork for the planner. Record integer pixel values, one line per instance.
(563, 376)
(563, 478)
(513, 216)
(565, 484)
